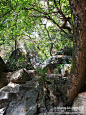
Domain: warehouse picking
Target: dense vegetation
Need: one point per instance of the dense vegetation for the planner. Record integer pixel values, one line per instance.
(42, 26)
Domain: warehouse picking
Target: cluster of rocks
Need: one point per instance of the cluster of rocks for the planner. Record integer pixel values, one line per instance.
(18, 99)
(21, 97)
(19, 94)
(18, 76)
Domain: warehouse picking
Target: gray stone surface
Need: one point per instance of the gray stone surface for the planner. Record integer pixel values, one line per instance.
(19, 76)
(58, 59)
(79, 104)
(30, 102)
(18, 99)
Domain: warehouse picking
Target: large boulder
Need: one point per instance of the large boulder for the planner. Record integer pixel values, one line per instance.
(19, 76)
(30, 102)
(52, 62)
(2, 66)
(17, 99)
(79, 104)
(18, 59)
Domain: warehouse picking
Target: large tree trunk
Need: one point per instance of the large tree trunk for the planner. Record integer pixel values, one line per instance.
(77, 77)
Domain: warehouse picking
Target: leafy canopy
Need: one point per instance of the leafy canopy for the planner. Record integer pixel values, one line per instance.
(38, 20)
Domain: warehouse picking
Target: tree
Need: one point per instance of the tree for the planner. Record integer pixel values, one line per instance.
(77, 77)
(31, 13)
(78, 8)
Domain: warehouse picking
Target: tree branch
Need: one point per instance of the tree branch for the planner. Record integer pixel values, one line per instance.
(46, 15)
(49, 18)
(64, 18)
(47, 31)
(48, 4)
(59, 10)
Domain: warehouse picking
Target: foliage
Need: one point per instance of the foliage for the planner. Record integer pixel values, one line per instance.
(37, 23)
(18, 64)
(41, 78)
